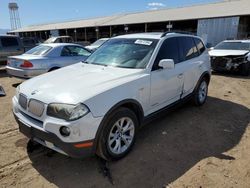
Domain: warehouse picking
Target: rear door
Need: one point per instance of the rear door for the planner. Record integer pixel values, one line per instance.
(190, 63)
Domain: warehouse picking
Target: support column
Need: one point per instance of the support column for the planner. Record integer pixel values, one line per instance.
(85, 33)
(75, 35)
(110, 31)
(146, 27)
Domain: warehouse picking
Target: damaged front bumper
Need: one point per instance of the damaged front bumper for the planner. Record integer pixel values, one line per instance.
(228, 63)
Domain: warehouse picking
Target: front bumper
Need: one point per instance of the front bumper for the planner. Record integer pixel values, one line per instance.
(24, 73)
(80, 144)
(51, 141)
(227, 64)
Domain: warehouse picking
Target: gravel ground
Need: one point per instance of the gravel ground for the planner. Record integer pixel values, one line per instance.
(207, 146)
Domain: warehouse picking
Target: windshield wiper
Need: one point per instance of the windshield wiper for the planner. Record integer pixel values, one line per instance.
(99, 64)
(85, 62)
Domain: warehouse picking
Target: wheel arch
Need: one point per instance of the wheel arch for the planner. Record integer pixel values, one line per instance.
(205, 75)
(131, 104)
(53, 68)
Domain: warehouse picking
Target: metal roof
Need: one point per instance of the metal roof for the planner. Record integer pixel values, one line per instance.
(213, 10)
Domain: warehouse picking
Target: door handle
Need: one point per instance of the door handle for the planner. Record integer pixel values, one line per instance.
(180, 76)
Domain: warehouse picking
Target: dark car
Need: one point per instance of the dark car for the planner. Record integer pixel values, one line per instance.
(10, 45)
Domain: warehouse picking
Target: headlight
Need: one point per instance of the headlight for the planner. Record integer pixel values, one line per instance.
(67, 112)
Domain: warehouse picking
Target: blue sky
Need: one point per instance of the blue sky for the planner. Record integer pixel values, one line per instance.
(46, 11)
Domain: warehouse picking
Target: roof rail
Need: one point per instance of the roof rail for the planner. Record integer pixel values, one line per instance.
(177, 32)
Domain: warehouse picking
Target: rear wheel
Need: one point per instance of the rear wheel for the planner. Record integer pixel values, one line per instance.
(118, 135)
(200, 95)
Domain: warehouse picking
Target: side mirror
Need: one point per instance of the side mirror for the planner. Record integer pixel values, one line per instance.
(166, 63)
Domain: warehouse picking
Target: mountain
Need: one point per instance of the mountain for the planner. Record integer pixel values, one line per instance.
(4, 31)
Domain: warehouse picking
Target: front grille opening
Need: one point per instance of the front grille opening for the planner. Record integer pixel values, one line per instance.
(36, 121)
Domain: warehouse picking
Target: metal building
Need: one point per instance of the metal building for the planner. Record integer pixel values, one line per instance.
(214, 22)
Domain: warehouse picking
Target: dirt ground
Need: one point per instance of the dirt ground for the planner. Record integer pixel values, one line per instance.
(207, 146)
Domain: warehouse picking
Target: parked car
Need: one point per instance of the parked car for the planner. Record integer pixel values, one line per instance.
(59, 39)
(97, 44)
(98, 106)
(231, 55)
(30, 42)
(9, 45)
(45, 58)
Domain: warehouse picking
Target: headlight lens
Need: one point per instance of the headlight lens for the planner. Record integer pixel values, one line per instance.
(67, 112)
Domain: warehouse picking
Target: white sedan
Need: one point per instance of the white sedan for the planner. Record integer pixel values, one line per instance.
(45, 58)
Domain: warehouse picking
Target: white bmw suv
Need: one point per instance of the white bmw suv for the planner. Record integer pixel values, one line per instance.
(97, 106)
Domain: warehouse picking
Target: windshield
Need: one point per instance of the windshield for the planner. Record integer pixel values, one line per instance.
(233, 46)
(39, 50)
(125, 53)
(99, 42)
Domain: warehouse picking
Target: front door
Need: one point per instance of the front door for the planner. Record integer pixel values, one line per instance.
(166, 84)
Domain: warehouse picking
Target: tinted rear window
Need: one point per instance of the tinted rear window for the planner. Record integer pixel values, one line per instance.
(9, 41)
(188, 48)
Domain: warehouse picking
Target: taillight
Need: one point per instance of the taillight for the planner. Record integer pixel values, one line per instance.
(26, 64)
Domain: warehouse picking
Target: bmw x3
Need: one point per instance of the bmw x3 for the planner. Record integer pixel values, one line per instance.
(97, 106)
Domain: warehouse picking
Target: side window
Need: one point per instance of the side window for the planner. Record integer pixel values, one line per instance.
(74, 51)
(168, 50)
(201, 47)
(65, 51)
(9, 41)
(187, 48)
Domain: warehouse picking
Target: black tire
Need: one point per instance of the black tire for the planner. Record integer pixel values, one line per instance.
(103, 148)
(197, 100)
(245, 69)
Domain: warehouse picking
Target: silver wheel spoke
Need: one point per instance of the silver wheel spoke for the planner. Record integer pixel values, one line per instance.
(117, 147)
(127, 127)
(128, 138)
(125, 141)
(111, 140)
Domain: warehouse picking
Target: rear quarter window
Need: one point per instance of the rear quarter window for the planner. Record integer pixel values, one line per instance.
(9, 41)
(200, 46)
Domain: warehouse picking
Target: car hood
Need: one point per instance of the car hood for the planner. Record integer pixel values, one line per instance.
(76, 83)
(221, 53)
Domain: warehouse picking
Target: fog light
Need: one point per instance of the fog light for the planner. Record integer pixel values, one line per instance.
(65, 131)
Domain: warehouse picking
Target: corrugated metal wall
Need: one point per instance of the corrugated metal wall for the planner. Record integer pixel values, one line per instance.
(216, 30)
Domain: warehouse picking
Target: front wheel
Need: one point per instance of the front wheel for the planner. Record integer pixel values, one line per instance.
(245, 69)
(118, 135)
(200, 95)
